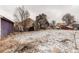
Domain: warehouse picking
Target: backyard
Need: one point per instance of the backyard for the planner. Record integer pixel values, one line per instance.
(43, 41)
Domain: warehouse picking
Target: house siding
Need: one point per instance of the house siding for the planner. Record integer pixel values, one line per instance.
(0, 28)
(6, 28)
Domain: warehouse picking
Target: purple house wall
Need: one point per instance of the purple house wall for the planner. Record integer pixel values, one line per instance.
(6, 26)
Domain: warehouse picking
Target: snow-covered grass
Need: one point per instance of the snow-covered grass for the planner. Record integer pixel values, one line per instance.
(47, 41)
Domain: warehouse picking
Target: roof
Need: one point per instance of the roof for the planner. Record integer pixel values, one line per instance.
(3, 18)
(59, 24)
(69, 26)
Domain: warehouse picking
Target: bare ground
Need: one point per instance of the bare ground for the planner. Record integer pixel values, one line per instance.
(48, 41)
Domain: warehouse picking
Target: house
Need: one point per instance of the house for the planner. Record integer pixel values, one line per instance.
(76, 25)
(28, 24)
(60, 25)
(64, 26)
(25, 25)
(6, 26)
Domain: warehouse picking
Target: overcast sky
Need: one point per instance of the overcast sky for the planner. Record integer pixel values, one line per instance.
(53, 12)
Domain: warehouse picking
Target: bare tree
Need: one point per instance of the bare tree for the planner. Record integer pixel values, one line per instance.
(68, 18)
(21, 13)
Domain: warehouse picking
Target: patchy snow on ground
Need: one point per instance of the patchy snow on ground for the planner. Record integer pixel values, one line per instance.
(49, 41)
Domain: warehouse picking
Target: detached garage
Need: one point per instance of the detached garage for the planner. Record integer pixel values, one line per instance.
(6, 26)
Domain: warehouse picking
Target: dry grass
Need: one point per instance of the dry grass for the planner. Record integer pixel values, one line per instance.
(56, 50)
(24, 44)
(6, 45)
(14, 46)
(29, 47)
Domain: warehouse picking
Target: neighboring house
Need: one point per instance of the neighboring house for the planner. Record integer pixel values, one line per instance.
(64, 26)
(76, 26)
(60, 25)
(25, 25)
(28, 24)
(6, 26)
